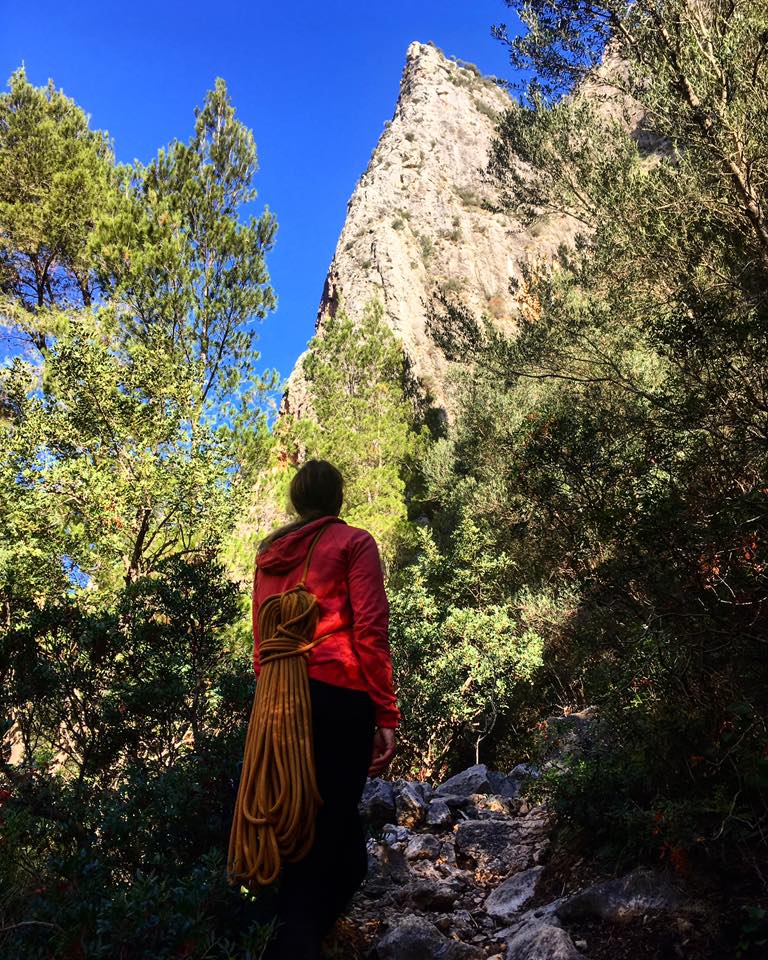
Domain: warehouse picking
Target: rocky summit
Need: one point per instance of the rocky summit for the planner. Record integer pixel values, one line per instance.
(416, 223)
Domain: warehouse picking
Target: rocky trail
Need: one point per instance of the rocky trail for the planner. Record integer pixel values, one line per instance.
(468, 870)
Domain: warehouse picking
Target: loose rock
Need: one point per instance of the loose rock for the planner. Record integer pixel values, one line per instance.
(428, 895)
(510, 896)
(497, 846)
(377, 804)
(542, 942)
(410, 804)
(473, 780)
(623, 898)
(386, 866)
(424, 846)
(415, 938)
(439, 814)
(392, 833)
(459, 890)
(489, 806)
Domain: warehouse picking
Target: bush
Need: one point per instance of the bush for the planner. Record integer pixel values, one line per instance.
(460, 665)
(116, 817)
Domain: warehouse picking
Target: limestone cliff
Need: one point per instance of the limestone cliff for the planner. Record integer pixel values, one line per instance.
(415, 222)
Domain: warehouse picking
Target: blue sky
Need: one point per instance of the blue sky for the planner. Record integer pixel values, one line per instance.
(314, 81)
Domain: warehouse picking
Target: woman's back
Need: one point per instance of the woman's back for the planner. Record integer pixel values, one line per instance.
(346, 577)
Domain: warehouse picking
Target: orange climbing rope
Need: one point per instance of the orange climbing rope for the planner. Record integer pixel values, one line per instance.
(278, 800)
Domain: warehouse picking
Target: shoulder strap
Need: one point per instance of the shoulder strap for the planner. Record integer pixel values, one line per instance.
(305, 571)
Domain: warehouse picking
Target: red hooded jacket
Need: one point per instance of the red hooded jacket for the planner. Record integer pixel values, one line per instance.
(346, 577)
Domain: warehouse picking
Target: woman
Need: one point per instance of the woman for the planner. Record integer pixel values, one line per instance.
(354, 709)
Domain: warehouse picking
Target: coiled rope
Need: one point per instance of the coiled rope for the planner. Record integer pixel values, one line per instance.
(278, 799)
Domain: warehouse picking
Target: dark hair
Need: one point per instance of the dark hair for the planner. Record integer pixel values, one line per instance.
(317, 490)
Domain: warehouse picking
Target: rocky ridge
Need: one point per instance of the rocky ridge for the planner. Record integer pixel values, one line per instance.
(416, 223)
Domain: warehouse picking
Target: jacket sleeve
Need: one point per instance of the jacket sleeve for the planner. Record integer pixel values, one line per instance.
(370, 627)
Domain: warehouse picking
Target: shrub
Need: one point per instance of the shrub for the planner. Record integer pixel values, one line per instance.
(133, 717)
(427, 247)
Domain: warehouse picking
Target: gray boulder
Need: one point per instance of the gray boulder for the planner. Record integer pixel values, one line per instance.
(626, 897)
(432, 895)
(542, 941)
(505, 784)
(386, 865)
(394, 833)
(424, 846)
(479, 779)
(448, 853)
(439, 814)
(472, 780)
(415, 938)
(411, 801)
(510, 896)
(377, 805)
(498, 846)
(451, 800)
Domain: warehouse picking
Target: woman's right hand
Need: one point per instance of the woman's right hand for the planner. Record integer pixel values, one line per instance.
(384, 747)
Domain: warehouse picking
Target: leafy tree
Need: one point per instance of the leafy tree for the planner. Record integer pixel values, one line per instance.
(116, 817)
(618, 442)
(131, 425)
(142, 422)
(188, 274)
(467, 647)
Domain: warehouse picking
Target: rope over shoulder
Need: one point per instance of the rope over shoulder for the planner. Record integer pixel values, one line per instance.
(277, 800)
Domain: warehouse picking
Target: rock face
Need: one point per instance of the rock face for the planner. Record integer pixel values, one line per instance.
(415, 222)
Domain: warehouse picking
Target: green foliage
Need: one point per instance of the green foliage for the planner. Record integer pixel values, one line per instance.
(467, 643)
(469, 67)
(468, 196)
(57, 178)
(116, 816)
(176, 256)
(132, 422)
(137, 425)
(617, 444)
(454, 235)
(364, 423)
(427, 248)
(488, 111)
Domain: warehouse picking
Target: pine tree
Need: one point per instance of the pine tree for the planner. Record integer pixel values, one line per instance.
(138, 426)
(57, 178)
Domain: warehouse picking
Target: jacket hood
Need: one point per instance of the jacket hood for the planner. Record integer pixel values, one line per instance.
(290, 551)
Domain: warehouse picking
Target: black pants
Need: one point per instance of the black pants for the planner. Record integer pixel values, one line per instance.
(313, 893)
